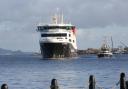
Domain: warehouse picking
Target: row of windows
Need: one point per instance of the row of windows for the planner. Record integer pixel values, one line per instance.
(54, 35)
(55, 27)
(57, 35)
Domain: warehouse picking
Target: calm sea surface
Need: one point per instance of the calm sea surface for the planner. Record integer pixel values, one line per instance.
(30, 72)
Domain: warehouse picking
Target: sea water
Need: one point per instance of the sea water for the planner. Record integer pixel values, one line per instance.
(31, 72)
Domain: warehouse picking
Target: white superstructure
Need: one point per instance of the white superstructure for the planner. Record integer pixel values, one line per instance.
(58, 39)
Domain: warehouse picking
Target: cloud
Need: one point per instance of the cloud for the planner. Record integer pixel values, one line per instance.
(19, 18)
(93, 38)
(18, 40)
(88, 13)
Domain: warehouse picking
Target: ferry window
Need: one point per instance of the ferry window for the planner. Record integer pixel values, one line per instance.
(39, 28)
(68, 28)
(54, 27)
(73, 41)
(69, 35)
(54, 35)
(69, 40)
(42, 28)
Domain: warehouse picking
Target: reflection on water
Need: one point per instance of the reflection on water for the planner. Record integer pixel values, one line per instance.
(31, 72)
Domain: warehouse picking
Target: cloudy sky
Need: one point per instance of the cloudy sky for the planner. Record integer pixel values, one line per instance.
(94, 20)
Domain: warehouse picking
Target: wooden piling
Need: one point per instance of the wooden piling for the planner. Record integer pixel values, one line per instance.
(126, 84)
(92, 82)
(54, 84)
(122, 81)
(4, 86)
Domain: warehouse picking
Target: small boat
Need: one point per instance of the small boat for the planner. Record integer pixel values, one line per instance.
(105, 51)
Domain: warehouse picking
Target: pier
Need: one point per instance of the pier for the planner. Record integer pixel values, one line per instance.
(123, 83)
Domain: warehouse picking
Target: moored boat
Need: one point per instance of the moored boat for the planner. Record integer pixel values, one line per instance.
(105, 51)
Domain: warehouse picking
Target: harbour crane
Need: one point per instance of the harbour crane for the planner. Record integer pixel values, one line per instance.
(125, 47)
(124, 44)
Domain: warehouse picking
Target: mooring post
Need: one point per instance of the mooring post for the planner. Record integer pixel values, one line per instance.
(126, 84)
(4, 86)
(92, 82)
(54, 84)
(122, 81)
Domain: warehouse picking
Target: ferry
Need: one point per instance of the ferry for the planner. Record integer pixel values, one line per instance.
(57, 39)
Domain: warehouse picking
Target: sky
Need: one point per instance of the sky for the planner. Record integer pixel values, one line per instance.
(94, 19)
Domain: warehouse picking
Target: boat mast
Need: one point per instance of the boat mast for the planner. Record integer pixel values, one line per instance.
(62, 19)
(112, 43)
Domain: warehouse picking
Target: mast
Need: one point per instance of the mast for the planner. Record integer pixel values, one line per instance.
(54, 19)
(112, 43)
(62, 19)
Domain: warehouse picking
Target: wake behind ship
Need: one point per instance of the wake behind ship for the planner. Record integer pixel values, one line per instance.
(58, 39)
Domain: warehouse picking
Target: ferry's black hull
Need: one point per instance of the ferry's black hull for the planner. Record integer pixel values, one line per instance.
(104, 55)
(56, 50)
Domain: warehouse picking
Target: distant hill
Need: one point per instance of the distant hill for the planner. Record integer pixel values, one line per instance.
(10, 52)
(5, 51)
